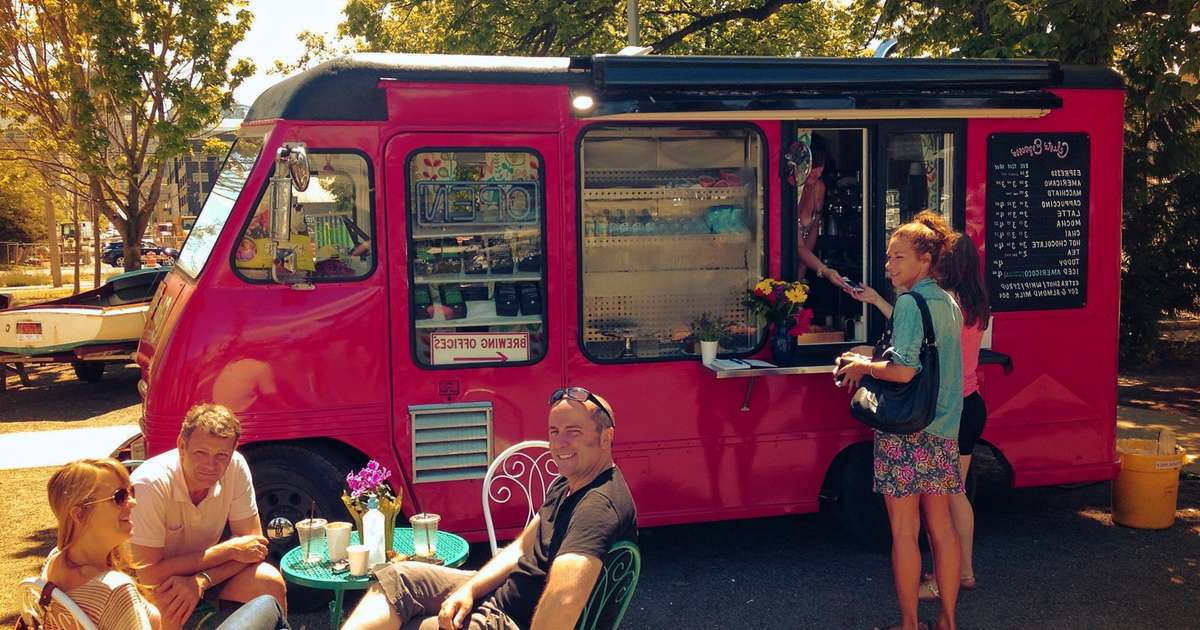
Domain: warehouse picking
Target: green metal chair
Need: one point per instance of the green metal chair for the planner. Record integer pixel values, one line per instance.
(614, 588)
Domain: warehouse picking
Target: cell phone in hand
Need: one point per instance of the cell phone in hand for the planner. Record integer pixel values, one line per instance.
(854, 286)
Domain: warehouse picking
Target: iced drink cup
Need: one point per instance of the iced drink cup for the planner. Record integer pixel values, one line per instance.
(337, 537)
(425, 527)
(311, 532)
(358, 559)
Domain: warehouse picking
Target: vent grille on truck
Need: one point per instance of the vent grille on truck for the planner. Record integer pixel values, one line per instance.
(451, 442)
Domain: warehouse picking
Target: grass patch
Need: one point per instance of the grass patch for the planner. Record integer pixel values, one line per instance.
(30, 536)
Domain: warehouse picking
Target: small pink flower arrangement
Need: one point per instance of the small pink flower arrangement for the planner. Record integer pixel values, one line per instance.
(372, 479)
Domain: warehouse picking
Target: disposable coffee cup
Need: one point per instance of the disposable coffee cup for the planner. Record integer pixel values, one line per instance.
(312, 534)
(337, 537)
(358, 559)
(425, 527)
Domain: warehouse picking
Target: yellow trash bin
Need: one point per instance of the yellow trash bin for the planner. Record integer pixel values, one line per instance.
(1147, 487)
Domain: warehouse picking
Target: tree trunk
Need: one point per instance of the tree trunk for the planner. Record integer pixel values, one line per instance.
(78, 237)
(97, 247)
(52, 224)
(133, 245)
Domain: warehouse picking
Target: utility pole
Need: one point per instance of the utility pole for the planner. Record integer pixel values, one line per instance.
(631, 14)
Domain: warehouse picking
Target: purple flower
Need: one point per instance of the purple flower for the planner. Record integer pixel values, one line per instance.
(370, 480)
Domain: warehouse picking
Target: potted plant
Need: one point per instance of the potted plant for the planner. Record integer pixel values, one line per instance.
(710, 331)
(781, 304)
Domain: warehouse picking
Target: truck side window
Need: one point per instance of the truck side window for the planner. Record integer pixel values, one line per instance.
(332, 225)
(672, 231)
(920, 176)
(477, 257)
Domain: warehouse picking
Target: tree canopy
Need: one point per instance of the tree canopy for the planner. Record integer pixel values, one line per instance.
(109, 90)
(585, 27)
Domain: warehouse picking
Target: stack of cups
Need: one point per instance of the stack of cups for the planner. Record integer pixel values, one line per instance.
(337, 537)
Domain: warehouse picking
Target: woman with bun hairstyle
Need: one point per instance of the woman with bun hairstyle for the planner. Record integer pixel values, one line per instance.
(960, 273)
(918, 473)
(92, 500)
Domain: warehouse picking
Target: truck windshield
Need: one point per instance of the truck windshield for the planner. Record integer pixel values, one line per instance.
(230, 181)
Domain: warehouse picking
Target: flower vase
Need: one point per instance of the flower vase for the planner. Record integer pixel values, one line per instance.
(782, 345)
(388, 506)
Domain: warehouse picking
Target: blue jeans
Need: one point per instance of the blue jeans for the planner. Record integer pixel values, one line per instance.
(260, 613)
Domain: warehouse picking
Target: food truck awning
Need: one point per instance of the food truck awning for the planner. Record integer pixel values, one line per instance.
(683, 87)
(703, 88)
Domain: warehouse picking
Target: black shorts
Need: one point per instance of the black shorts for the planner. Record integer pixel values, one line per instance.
(970, 425)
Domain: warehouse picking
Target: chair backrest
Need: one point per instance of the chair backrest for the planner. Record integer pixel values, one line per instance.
(614, 588)
(36, 614)
(521, 473)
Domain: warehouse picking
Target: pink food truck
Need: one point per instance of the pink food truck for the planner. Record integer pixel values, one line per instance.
(403, 255)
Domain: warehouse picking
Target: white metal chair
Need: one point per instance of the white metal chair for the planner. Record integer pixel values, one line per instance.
(35, 606)
(522, 472)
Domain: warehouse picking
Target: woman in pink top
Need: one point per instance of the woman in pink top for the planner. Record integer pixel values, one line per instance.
(960, 275)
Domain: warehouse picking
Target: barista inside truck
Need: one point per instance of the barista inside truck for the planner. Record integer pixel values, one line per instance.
(810, 201)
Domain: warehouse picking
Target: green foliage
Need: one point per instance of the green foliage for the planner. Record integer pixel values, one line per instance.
(108, 91)
(1155, 45)
(709, 327)
(22, 218)
(586, 27)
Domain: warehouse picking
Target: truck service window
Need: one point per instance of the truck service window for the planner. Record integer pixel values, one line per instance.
(332, 225)
(829, 220)
(477, 258)
(672, 231)
(217, 206)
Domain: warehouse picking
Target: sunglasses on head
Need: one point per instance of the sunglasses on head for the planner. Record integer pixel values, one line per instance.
(579, 394)
(120, 496)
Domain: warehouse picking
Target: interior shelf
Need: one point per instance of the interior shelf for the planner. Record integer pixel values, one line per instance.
(464, 278)
(690, 192)
(479, 313)
(473, 229)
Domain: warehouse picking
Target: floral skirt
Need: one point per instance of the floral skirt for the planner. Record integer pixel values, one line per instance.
(918, 463)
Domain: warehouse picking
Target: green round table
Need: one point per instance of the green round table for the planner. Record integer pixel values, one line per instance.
(451, 549)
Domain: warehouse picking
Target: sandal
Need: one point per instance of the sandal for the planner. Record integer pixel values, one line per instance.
(921, 625)
(928, 591)
(968, 583)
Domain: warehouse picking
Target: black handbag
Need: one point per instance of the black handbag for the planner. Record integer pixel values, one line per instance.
(902, 407)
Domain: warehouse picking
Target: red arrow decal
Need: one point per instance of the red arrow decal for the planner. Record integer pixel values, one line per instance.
(500, 356)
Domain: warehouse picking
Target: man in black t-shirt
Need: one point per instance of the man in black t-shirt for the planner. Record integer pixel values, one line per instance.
(542, 580)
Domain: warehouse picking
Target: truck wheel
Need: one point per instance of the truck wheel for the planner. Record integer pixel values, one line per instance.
(290, 481)
(858, 509)
(119, 261)
(88, 371)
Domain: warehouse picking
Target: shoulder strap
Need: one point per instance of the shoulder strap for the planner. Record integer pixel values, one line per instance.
(47, 595)
(926, 318)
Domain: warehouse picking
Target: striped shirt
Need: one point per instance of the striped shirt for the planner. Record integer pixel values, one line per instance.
(110, 599)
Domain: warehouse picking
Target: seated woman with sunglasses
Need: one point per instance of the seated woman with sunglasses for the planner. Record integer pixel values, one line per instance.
(91, 500)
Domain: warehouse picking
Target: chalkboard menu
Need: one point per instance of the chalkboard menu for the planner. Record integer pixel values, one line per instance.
(1037, 220)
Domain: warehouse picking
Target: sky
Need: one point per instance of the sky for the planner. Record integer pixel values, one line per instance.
(273, 36)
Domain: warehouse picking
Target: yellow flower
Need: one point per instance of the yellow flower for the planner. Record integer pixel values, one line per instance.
(764, 286)
(797, 294)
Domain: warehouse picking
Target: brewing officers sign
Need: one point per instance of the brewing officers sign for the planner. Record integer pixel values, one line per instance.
(1037, 220)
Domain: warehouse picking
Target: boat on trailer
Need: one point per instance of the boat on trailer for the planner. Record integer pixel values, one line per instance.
(87, 330)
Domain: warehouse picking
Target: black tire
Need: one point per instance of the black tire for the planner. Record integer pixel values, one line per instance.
(88, 371)
(858, 509)
(119, 261)
(289, 481)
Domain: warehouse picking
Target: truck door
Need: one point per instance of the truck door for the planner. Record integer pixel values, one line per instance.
(473, 221)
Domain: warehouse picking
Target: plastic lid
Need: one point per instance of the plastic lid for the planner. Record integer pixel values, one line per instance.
(372, 502)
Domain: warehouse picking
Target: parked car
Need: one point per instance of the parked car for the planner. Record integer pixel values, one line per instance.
(114, 254)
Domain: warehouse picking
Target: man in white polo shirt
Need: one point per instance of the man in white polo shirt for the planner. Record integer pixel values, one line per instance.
(185, 497)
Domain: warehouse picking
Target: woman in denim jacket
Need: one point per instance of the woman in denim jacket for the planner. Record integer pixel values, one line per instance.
(919, 472)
